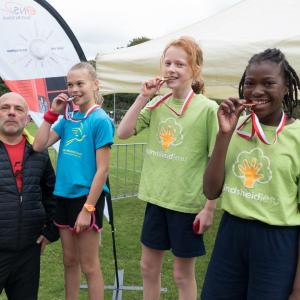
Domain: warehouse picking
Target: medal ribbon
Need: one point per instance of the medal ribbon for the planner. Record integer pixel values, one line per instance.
(257, 129)
(69, 112)
(185, 104)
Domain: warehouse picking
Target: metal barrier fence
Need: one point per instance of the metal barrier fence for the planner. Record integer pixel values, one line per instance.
(125, 168)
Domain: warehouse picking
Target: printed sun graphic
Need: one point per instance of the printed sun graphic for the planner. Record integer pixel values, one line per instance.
(252, 167)
(34, 43)
(39, 50)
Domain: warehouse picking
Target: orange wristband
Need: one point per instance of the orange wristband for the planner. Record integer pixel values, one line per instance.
(89, 207)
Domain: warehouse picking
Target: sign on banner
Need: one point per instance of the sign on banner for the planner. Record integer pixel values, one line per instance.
(37, 49)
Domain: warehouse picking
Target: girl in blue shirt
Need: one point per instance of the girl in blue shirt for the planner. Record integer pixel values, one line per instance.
(85, 138)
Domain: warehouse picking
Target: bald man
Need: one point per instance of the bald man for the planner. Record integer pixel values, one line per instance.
(27, 203)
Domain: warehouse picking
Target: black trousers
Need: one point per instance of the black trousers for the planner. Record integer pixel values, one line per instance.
(20, 273)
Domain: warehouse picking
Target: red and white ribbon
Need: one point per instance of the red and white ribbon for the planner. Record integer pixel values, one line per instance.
(257, 129)
(69, 112)
(185, 104)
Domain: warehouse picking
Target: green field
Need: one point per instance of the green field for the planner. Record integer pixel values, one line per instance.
(128, 214)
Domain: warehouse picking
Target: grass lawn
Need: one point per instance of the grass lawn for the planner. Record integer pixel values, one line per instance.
(128, 216)
(128, 219)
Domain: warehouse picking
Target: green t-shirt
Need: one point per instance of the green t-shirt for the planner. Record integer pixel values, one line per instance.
(177, 152)
(262, 181)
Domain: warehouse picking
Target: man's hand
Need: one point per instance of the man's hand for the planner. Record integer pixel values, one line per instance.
(42, 240)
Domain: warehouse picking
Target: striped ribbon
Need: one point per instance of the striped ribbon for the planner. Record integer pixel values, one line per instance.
(69, 112)
(257, 129)
(185, 104)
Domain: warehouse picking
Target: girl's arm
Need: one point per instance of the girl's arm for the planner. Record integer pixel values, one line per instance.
(228, 114)
(45, 137)
(213, 180)
(206, 216)
(102, 160)
(127, 126)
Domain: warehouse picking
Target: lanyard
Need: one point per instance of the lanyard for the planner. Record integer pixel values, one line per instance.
(257, 129)
(185, 104)
(69, 112)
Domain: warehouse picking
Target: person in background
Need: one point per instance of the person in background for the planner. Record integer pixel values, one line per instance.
(182, 128)
(27, 203)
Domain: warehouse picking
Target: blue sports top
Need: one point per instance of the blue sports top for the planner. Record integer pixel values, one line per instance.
(76, 163)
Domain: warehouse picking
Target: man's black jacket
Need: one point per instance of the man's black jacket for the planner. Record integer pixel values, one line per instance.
(27, 214)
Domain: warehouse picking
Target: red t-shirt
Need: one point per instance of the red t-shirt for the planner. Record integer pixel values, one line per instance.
(16, 155)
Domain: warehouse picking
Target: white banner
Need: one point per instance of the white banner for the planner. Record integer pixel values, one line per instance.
(37, 49)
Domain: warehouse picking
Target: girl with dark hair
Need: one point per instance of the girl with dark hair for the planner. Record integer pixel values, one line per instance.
(255, 170)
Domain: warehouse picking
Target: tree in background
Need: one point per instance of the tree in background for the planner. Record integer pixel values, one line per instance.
(123, 101)
(3, 88)
(93, 63)
(137, 41)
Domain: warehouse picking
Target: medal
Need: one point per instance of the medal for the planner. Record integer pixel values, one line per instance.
(185, 104)
(69, 112)
(257, 129)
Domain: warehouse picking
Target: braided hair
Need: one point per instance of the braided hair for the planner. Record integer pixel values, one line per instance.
(290, 75)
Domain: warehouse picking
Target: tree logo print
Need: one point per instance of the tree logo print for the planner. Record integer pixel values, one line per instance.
(169, 133)
(252, 167)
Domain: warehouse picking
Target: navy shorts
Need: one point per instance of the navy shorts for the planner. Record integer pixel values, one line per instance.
(68, 209)
(251, 260)
(165, 229)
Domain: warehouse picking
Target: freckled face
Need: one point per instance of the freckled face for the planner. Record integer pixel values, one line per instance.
(176, 66)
